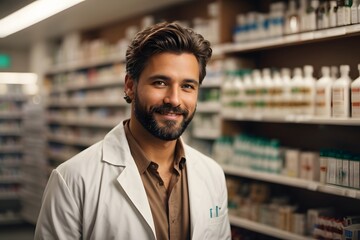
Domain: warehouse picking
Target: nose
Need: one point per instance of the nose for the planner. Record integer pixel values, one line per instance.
(172, 97)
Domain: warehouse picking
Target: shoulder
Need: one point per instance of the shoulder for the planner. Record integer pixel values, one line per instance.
(82, 164)
(203, 161)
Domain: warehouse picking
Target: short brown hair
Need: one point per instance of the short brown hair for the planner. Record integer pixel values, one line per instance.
(166, 37)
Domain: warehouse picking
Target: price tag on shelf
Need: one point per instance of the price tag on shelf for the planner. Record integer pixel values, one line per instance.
(351, 193)
(335, 31)
(353, 28)
(312, 186)
(320, 34)
(307, 36)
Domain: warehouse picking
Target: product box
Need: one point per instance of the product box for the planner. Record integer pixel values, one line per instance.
(331, 170)
(345, 173)
(354, 172)
(310, 166)
(339, 171)
(292, 163)
(323, 168)
(351, 232)
(313, 217)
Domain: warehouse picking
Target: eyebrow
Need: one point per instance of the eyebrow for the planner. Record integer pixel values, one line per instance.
(165, 78)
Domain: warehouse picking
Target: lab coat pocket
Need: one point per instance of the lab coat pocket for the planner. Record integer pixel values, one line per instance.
(214, 227)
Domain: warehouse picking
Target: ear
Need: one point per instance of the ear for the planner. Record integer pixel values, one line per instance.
(129, 87)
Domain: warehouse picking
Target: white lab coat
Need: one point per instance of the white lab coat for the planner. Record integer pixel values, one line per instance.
(98, 194)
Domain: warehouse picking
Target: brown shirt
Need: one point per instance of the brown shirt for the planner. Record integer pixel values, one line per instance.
(169, 207)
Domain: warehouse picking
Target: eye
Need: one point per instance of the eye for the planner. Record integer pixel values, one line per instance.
(159, 83)
(188, 86)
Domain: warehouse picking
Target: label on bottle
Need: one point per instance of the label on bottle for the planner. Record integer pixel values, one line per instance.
(338, 102)
(355, 102)
(320, 101)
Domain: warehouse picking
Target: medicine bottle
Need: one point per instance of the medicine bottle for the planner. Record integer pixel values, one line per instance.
(355, 97)
(341, 93)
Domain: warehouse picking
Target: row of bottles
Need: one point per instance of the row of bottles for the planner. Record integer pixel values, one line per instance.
(277, 93)
(295, 17)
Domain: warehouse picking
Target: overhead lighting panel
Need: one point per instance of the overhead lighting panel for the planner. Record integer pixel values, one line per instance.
(33, 13)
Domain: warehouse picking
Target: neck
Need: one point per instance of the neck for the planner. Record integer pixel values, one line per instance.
(155, 149)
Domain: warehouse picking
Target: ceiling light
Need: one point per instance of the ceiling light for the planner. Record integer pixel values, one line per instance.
(33, 13)
(18, 78)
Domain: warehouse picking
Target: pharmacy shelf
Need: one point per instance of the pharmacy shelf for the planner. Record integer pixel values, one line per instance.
(10, 132)
(115, 102)
(264, 229)
(210, 83)
(9, 195)
(60, 157)
(88, 63)
(11, 115)
(85, 142)
(9, 179)
(207, 134)
(98, 83)
(208, 107)
(11, 219)
(11, 149)
(84, 122)
(291, 181)
(238, 116)
(13, 97)
(293, 39)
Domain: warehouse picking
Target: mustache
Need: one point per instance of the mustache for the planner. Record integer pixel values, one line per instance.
(167, 108)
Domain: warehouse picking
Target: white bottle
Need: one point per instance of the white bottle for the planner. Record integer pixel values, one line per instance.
(354, 12)
(332, 14)
(309, 91)
(311, 15)
(277, 93)
(323, 93)
(297, 84)
(260, 91)
(291, 19)
(267, 91)
(249, 90)
(238, 100)
(286, 96)
(226, 93)
(355, 97)
(341, 94)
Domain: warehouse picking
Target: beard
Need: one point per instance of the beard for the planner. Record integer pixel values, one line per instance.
(170, 131)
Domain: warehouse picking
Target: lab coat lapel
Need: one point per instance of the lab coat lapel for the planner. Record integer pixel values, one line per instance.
(116, 151)
(131, 182)
(196, 186)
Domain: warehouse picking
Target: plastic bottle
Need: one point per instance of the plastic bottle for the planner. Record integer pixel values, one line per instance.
(354, 12)
(323, 93)
(309, 90)
(303, 15)
(267, 94)
(311, 15)
(226, 90)
(260, 91)
(286, 96)
(297, 85)
(332, 14)
(291, 19)
(355, 97)
(277, 93)
(341, 93)
(249, 90)
(238, 98)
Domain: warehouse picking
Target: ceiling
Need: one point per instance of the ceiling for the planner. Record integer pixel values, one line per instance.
(86, 15)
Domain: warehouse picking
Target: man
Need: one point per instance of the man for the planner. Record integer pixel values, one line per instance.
(142, 181)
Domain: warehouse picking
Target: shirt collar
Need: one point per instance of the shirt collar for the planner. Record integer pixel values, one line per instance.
(140, 158)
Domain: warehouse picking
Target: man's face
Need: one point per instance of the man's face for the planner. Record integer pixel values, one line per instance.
(166, 94)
